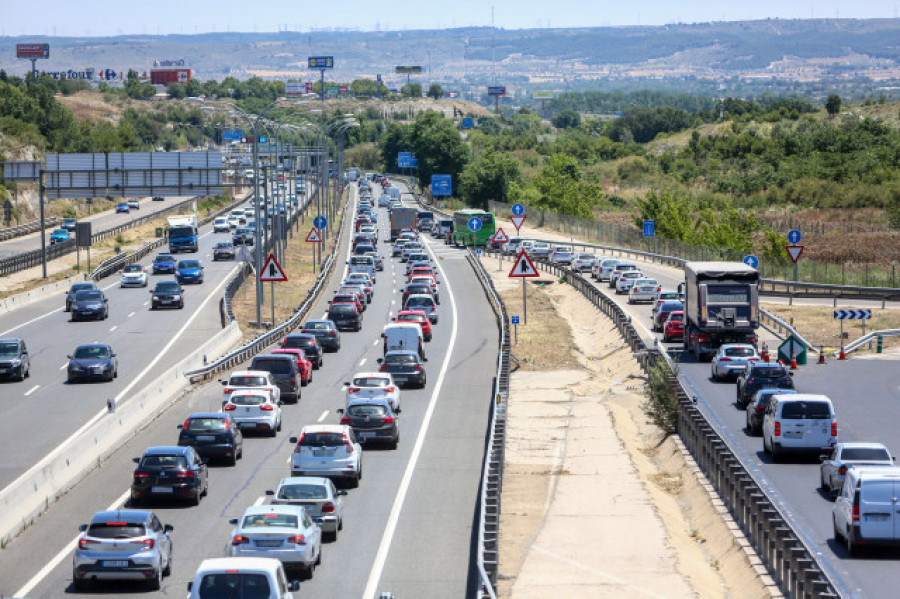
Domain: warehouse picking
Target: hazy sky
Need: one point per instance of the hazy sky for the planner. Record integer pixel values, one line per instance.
(113, 17)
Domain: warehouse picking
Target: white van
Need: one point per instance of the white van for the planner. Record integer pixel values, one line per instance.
(866, 511)
(798, 422)
(224, 577)
(393, 192)
(403, 335)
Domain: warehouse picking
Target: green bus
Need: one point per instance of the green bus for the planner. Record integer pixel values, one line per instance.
(462, 235)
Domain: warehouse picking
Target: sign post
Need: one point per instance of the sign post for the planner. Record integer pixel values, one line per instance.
(272, 272)
(523, 269)
(320, 222)
(794, 236)
(314, 237)
(862, 315)
(500, 237)
(321, 63)
(514, 319)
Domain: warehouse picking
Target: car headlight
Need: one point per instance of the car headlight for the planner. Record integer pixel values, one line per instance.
(156, 297)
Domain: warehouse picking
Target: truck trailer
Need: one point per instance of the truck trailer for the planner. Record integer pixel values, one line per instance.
(182, 233)
(402, 218)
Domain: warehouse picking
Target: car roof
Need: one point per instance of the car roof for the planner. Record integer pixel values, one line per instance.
(734, 345)
(395, 352)
(382, 401)
(217, 415)
(861, 445)
(166, 450)
(249, 373)
(305, 480)
(130, 516)
(273, 509)
(325, 428)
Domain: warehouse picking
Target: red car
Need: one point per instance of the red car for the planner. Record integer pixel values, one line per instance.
(419, 317)
(303, 364)
(420, 271)
(674, 326)
(347, 298)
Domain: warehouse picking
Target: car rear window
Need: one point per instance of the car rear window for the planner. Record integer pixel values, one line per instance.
(273, 365)
(163, 461)
(234, 585)
(419, 301)
(116, 530)
(366, 410)
(865, 453)
(739, 352)
(370, 381)
(248, 381)
(400, 359)
(411, 318)
(322, 439)
(805, 410)
(303, 492)
(343, 309)
(248, 399)
(270, 520)
(292, 341)
(316, 326)
(132, 268)
(206, 424)
(768, 372)
(676, 316)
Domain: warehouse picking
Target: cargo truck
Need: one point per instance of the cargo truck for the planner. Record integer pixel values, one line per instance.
(402, 218)
(182, 233)
(721, 305)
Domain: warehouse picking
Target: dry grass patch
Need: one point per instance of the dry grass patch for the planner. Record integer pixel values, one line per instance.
(545, 343)
(818, 326)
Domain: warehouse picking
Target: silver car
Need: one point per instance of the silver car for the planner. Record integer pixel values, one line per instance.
(426, 303)
(602, 268)
(283, 532)
(731, 360)
(322, 500)
(329, 450)
(254, 409)
(122, 545)
(846, 455)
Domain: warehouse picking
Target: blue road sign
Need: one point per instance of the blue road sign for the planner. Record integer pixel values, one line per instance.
(441, 185)
(518, 209)
(468, 123)
(852, 314)
(794, 236)
(649, 228)
(406, 160)
(514, 319)
(320, 222)
(474, 224)
(232, 135)
(478, 251)
(751, 261)
(263, 140)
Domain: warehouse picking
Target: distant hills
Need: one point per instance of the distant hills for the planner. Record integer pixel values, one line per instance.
(779, 54)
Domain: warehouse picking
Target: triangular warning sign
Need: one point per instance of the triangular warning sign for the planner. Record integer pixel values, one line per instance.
(500, 237)
(794, 251)
(272, 272)
(313, 236)
(517, 221)
(523, 268)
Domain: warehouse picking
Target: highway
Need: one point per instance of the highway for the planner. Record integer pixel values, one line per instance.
(408, 527)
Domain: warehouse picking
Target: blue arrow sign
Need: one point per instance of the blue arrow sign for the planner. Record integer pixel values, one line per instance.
(649, 228)
(514, 319)
(794, 236)
(478, 251)
(852, 314)
(751, 261)
(474, 224)
(518, 209)
(320, 222)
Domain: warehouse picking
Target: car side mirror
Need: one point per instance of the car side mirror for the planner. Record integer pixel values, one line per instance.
(70, 357)
(280, 403)
(179, 426)
(82, 527)
(340, 411)
(293, 440)
(233, 521)
(190, 585)
(136, 460)
(224, 382)
(113, 355)
(823, 457)
(270, 492)
(295, 586)
(380, 360)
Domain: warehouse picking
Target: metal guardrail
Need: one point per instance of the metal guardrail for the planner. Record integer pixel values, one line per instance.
(24, 229)
(789, 560)
(867, 338)
(487, 558)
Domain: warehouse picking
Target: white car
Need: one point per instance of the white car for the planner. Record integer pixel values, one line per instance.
(254, 409)
(226, 576)
(863, 513)
(329, 450)
(241, 380)
(851, 455)
(134, 204)
(133, 275)
(233, 222)
(583, 262)
(643, 290)
(284, 532)
(512, 246)
(365, 385)
(562, 254)
(627, 279)
(220, 225)
(603, 267)
(540, 249)
(731, 360)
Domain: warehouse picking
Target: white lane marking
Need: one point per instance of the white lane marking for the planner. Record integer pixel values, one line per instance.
(363, 361)
(63, 367)
(393, 302)
(32, 390)
(259, 501)
(113, 328)
(375, 342)
(35, 319)
(391, 527)
(322, 417)
(147, 302)
(59, 557)
(132, 314)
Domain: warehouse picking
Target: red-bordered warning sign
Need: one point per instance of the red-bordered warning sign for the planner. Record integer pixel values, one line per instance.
(523, 268)
(500, 237)
(794, 251)
(313, 236)
(517, 221)
(272, 271)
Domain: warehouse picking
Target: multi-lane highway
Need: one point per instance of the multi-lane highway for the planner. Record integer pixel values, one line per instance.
(408, 527)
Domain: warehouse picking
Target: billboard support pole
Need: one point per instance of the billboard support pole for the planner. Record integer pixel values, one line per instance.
(33, 81)
(43, 223)
(322, 83)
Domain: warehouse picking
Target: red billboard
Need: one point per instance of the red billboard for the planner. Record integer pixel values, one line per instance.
(32, 50)
(167, 76)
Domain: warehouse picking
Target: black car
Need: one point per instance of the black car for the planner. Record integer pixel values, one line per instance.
(363, 248)
(345, 317)
(92, 361)
(414, 289)
(171, 473)
(663, 311)
(224, 250)
(372, 420)
(212, 435)
(762, 375)
(75, 288)
(285, 373)
(310, 346)
(90, 304)
(167, 293)
(405, 366)
(242, 236)
(326, 334)
(14, 361)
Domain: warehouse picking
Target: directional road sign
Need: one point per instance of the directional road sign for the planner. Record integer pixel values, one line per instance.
(441, 185)
(794, 236)
(514, 319)
(523, 268)
(474, 224)
(500, 237)
(649, 228)
(468, 123)
(751, 261)
(852, 314)
(406, 160)
(518, 209)
(320, 222)
(232, 135)
(794, 251)
(313, 236)
(478, 251)
(272, 271)
(517, 221)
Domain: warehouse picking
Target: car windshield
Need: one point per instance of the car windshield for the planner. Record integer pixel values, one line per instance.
(805, 410)
(116, 530)
(270, 520)
(163, 461)
(400, 359)
(878, 454)
(132, 268)
(411, 317)
(768, 372)
(234, 585)
(91, 351)
(302, 491)
(322, 439)
(164, 258)
(166, 286)
(60, 232)
(739, 352)
(248, 399)
(188, 264)
(206, 424)
(9, 349)
(371, 381)
(366, 410)
(79, 286)
(224, 245)
(298, 341)
(88, 295)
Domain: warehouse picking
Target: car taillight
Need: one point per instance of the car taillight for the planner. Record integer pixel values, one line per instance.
(353, 389)
(328, 508)
(147, 544)
(240, 540)
(346, 420)
(185, 425)
(86, 543)
(834, 428)
(724, 359)
(297, 540)
(332, 333)
(383, 368)
(227, 390)
(390, 389)
(293, 380)
(842, 470)
(387, 420)
(855, 513)
(348, 445)
(188, 474)
(777, 431)
(266, 407)
(230, 408)
(141, 474)
(418, 368)
(760, 408)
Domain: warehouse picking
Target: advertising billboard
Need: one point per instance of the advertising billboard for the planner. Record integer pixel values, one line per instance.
(408, 70)
(542, 95)
(294, 88)
(320, 62)
(496, 90)
(32, 51)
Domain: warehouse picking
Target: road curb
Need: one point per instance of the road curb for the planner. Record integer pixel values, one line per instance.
(20, 300)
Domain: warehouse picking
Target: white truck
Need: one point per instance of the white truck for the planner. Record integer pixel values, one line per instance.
(182, 233)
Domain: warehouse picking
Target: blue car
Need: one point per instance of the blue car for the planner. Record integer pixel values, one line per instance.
(59, 236)
(164, 264)
(189, 271)
(123, 207)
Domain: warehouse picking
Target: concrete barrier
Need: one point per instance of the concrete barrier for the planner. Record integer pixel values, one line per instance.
(38, 488)
(14, 302)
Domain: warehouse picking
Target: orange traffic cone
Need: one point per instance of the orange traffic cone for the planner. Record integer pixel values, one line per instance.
(842, 355)
(794, 360)
(821, 355)
(765, 352)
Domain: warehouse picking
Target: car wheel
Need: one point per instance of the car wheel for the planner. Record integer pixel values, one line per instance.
(22, 374)
(155, 583)
(195, 500)
(319, 557)
(234, 459)
(826, 488)
(79, 585)
(852, 548)
(837, 533)
(167, 571)
(181, 304)
(278, 428)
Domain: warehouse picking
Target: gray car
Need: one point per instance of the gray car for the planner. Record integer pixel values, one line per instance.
(423, 302)
(285, 372)
(318, 495)
(122, 545)
(372, 419)
(75, 288)
(14, 361)
(847, 455)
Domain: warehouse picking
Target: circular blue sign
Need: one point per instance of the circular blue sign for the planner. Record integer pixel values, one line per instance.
(751, 261)
(320, 222)
(518, 209)
(474, 224)
(794, 236)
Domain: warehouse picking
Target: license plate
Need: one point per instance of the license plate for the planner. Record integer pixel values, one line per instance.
(877, 517)
(206, 438)
(793, 435)
(322, 454)
(248, 424)
(161, 489)
(115, 563)
(269, 543)
(96, 369)
(366, 435)
(165, 301)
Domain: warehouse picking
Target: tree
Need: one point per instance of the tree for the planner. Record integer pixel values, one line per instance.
(562, 188)
(488, 178)
(412, 90)
(833, 105)
(435, 91)
(437, 146)
(566, 119)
